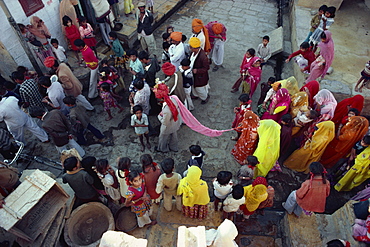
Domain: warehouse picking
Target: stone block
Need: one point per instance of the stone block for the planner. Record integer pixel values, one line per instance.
(304, 231)
(335, 86)
(276, 40)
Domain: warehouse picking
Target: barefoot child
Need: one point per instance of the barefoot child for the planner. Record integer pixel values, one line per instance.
(108, 100)
(124, 165)
(233, 201)
(222, 187)
(138, 199)
(139, 121)
(168, 183)
(108, 178)
(364, 79)
(151, 172)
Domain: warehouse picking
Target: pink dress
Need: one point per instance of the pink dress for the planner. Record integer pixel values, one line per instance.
(108, 100)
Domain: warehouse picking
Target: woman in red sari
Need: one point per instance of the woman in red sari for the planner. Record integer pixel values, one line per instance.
(342, 108)
(279, 105)
(340, 147)
(247, 142)
(311, 88)
(72, 34)
(248, 60)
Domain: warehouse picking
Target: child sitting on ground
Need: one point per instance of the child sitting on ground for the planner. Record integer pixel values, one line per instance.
(233, 201)
(244, 105)
(138, 199)
(187, 80)
(151, 172)
(168, 183)
(305, 58)
(222, 187)
(140, 122)
(246, 172)
(108, 178)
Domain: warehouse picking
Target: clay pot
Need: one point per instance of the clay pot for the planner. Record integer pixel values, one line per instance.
(125, 219)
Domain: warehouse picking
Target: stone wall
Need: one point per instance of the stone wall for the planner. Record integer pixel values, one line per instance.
(314, 4)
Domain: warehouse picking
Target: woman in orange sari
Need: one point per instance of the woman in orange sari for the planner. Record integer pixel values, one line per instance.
(342, 108)
(352, 132)
(247, 142)
(313, 148)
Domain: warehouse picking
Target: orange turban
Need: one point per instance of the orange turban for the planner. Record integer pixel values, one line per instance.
(49, 62)
(168, 68)
(161, 92)
(176, 36)
(194, 42)
(217, 28)
(197, 25)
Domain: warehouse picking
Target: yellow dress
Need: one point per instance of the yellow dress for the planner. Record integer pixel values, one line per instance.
(312, 150)
(291, 84)
(268, 148)
(358, 173)
(299, 102)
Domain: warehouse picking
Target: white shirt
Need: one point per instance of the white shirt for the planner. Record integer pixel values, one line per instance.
(177, 54)
(11, 114)
(144, 120)
(142, 98)
(201, 37)
(60, 53)
(221, 191)
(56, 95)
(232, 205)
(264, 52)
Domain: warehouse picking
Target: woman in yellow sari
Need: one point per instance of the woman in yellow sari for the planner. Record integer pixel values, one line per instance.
(313, 148)
(291, 84)
(358, 173)
(254, 194)
(299, 102)
(194, 193)
(268, 147)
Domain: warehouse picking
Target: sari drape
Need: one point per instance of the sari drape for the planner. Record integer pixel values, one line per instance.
(342, 108)
(326, 101)
(290, 84)
(299, 102)
(311, 88)
(280, 104)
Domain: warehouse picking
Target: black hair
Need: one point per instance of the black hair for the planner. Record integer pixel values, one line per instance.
(9, 85)
(195, 149)
(185, 62)
(70, 163)
(331, 10)
(16, 75)
(56, 63)
(54, 41)
(266, 38)
(224, 177)
(88, 162)
(81, 19)
(65, 20)
(138, 83)
(69, 100)
(323, 7)
(106, 71)
(355, 111)
(244, 98)
(305, 45)
(101, 165)
(123, 163)
(165, 45)
(36, 111)
(113, 35)
(143, 55)
(21, 26)
(252, 160)
(146, 161)
(251, 51)
(272, 79)
(173, 29)
(137, 108)
(45, 81)
(335, 243)
(184, 38)
(22, 69)
(133, 174)
(104, 61)
(316, 168)
(323, 35)
(313, 114)
(79, 43)
(131, 53)
(167, 165)
(287, 118)
(165, 36)
(238, 191)
(366, 139)
(105, 86)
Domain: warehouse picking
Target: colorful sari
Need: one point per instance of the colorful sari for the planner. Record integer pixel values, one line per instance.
(279, 105)
(301, 159)
(342, 108)
(245, 66)
(299, 103)
(247, 142)
(358, 173)
(340, 147)
(327, 102)
(268, 147)
(253, 78)
(290, 84)
(311, 88)
(254, 194)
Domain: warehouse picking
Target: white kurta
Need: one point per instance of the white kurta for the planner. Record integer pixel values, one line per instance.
(177, 54)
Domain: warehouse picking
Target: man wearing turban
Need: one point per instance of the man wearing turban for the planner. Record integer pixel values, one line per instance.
(200, 66)
(176, 50)
(201, 33)
(174, 81)
(170, 119)
(145, 21)
(217, 38)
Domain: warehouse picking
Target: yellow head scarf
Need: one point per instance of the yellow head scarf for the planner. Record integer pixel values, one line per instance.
(291, 84)
(193, 189)
(254, 195)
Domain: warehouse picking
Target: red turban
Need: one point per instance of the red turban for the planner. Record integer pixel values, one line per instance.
(260, 180)
(176, 36)
(161, 92)
(168, 68)
(49, 62)
(217, 28)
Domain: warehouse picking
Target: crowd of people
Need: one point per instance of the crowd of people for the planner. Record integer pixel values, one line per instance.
(304, 129)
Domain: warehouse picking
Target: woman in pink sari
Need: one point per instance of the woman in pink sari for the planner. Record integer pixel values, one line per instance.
(323, 62)
(279, 105)
(253, 77)
(325, 102)
(248, 59)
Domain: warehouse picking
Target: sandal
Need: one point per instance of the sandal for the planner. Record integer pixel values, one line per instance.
(234, 138)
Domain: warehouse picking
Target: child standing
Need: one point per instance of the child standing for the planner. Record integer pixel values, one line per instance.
(222, 187)
(364, 79)
(136, 67)
(168, 183)
(246, 172)
(87, 34)
(119, 52)
(151, 172)
(140, 122)
(108, 100)
(233, 201)
(245, 104)
(263, 50)
(59, 51)
(197, 155)
(108, 178)
(104, 78)
(113, 74)
(326, 21)
(124, 165)
(72, 34)
(315, 21)
(165, 55)
(187, 80)
(305, 58)
(138, 199)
